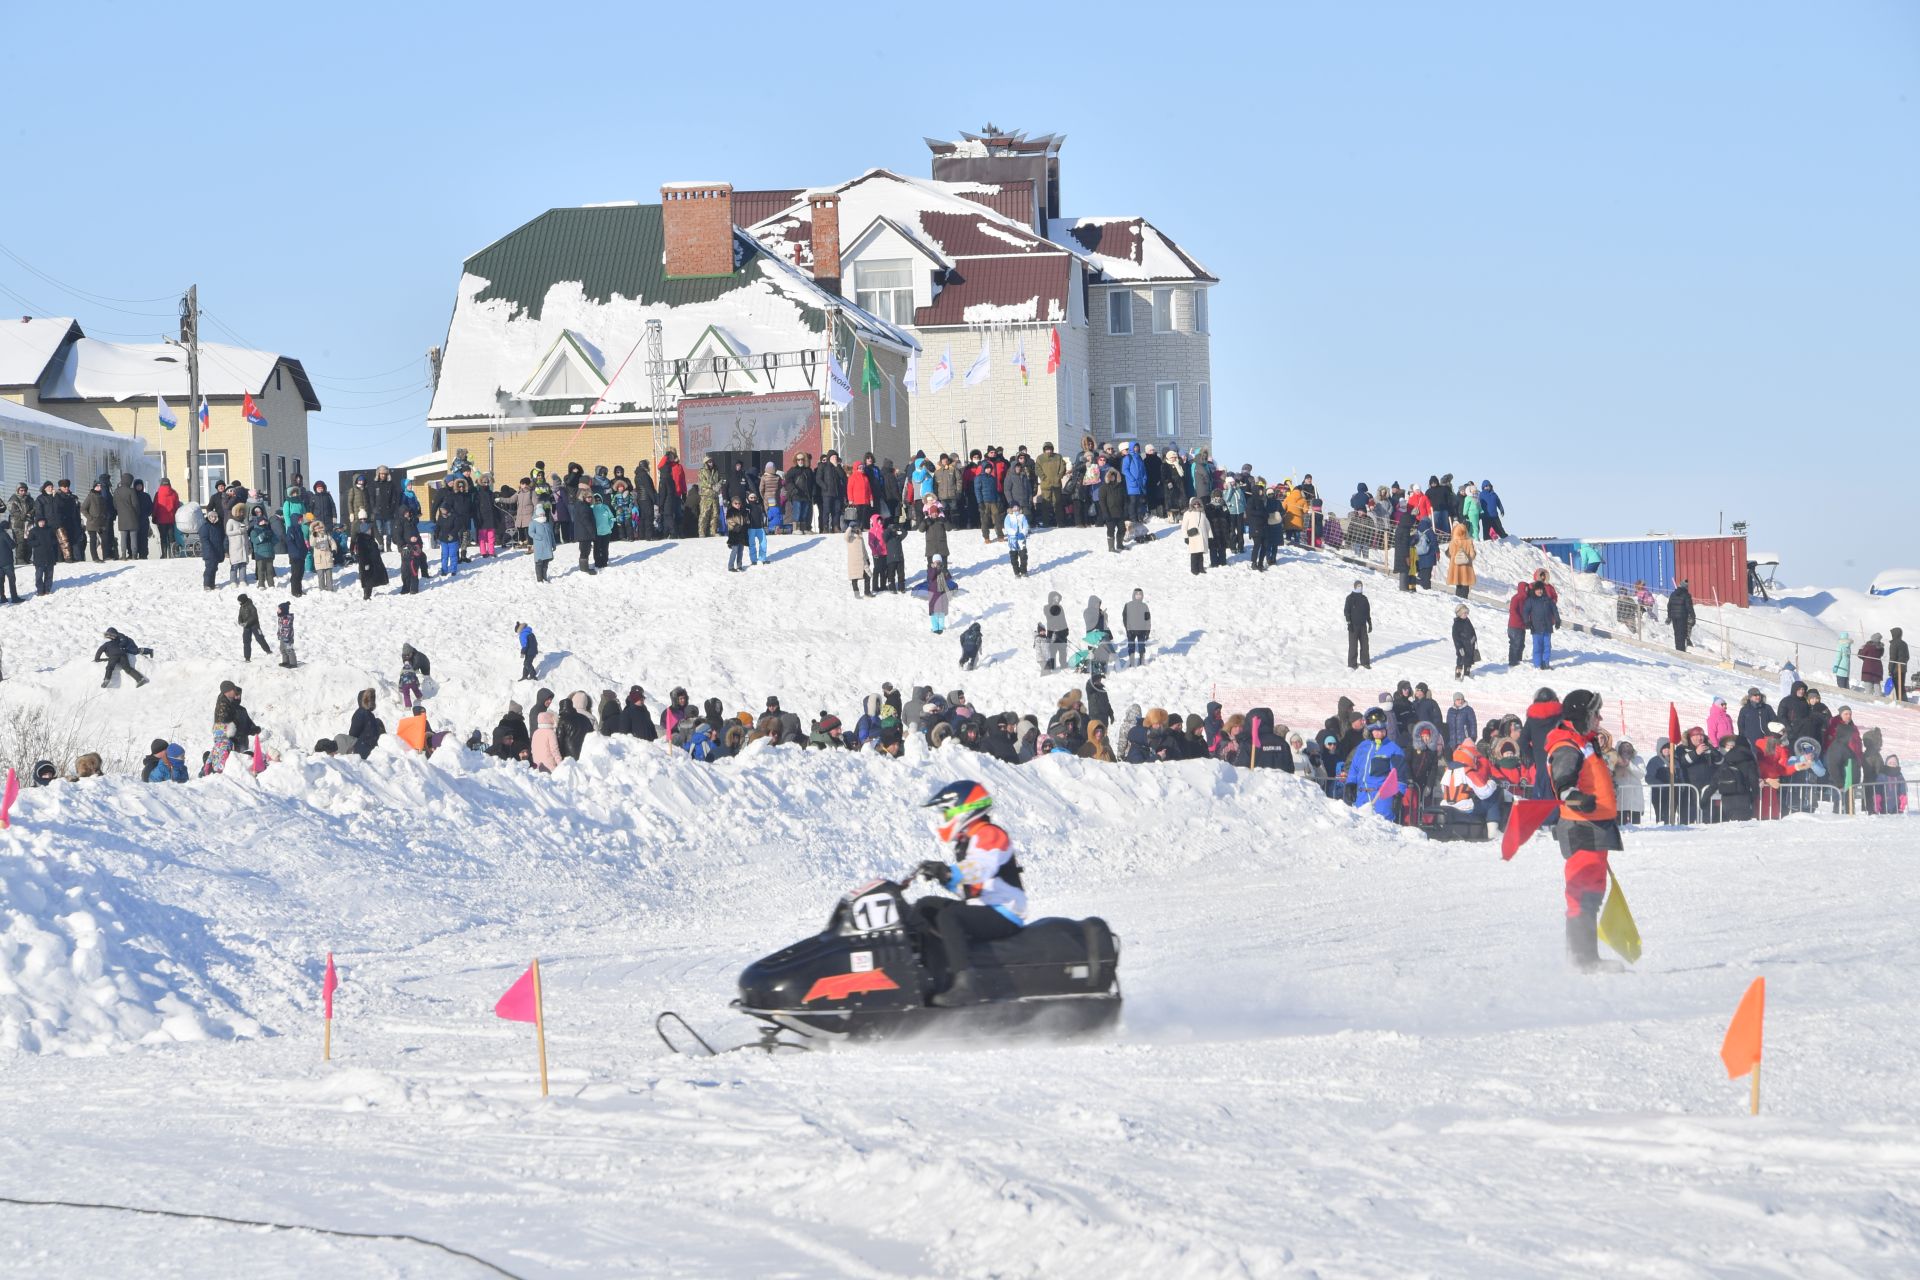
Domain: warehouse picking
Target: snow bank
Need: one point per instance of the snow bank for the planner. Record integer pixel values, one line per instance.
(89, 963)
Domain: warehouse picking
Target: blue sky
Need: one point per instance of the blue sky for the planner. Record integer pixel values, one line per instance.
(1640, 264)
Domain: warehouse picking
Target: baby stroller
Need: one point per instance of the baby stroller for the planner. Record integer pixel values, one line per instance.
(1094, 655)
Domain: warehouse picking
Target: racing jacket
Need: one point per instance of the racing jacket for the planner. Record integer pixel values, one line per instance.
(986, 872)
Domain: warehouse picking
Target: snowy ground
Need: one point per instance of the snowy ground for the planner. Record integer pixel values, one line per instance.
(1346, 1052)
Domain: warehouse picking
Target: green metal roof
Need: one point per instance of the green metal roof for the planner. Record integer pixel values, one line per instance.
(614, 250)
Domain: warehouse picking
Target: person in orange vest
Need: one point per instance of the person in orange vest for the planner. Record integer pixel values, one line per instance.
(1589, 826)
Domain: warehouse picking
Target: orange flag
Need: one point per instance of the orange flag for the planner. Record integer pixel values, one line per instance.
(1741, 1049)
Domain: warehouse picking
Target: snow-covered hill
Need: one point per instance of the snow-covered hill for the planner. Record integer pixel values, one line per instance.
(1346, 1050)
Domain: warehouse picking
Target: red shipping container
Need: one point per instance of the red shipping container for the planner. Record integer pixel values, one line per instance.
(1715, 568)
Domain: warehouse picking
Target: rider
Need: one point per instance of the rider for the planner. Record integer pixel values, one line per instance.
(984, 872)
(1589, 825)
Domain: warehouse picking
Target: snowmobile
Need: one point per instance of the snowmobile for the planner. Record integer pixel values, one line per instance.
(869, 974)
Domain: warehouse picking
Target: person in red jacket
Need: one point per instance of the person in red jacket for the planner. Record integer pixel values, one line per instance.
(1517, 624)
(1589, 826)
(1775, 767)
(166, 510)
(671, 478)
(860, 493)
(1542, 716)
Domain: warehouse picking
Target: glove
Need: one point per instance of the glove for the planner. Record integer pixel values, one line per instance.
(1579, 801)
(935, 871)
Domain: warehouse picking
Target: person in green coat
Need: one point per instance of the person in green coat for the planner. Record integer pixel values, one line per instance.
(1470, 511)
(1843, 661)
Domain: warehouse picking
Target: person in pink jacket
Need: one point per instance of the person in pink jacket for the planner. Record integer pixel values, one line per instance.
(1719, 723)
(546, 746)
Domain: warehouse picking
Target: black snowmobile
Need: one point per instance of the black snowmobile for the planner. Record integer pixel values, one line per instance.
(868, 976)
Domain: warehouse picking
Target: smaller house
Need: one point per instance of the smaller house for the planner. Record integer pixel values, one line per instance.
(51, 365)
(37, 447)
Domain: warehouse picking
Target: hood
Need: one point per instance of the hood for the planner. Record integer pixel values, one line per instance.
(126, 478)
(580, 703)
(1544, 710)
(1093, 602)
(1053, 599)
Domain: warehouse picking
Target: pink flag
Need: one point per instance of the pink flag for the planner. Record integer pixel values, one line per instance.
(1389, 786)
(6, 801)
(259, 757)
(327, 985)
(518, 1004)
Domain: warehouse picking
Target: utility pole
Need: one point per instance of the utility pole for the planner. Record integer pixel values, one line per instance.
(190, 337)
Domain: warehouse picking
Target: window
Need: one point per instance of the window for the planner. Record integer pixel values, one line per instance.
(1163, 311)
(276, 377)
(1123, 412)
(283, 475)
(66, 468)
(33, 465)
(1083, 397)
(1119, 313)
(213, 469)
(885, 288)
(265, 481)
(1199, 310)
(1166, 404)
(1206, 408)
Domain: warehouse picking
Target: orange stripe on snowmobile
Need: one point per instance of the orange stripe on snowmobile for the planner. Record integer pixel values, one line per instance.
(841, 985)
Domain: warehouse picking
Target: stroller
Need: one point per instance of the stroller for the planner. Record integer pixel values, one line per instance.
(1094, 655)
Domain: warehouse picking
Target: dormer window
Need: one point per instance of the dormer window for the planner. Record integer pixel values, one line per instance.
(884, 288)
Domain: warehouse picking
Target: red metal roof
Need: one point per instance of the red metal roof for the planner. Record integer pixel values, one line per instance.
(1013, 199)
(1001, 282)
(960, 235)
(750, 207)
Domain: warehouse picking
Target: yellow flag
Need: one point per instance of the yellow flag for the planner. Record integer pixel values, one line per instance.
(1616, 927)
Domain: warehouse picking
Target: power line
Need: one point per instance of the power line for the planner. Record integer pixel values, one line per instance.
(36, 309)
(99, 299)
(365, 377)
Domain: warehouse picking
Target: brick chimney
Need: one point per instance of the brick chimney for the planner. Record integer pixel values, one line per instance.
(824, 207)
(696, 222)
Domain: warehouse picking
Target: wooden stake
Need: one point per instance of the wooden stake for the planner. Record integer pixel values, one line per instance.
(540, 1029)
(1755, 1103)
(326, 1052)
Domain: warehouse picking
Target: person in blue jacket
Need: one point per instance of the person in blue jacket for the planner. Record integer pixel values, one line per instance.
(1368, 767)
(1133, 471)
(986, 501)
(1492, 511)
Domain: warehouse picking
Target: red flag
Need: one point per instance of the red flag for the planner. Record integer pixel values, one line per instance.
(327, 985)
(259, 757)
(1673, 728)
(1741, 1049)
(251, 412)
(1053, 353)
(518, 1004)
(6, 801)
(1528, 816)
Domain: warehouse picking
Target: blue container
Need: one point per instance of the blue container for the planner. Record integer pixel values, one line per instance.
(1639, 559)
(1561, 549)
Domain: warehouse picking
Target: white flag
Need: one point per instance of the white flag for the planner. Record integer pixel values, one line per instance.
(913, 373)
(981, 367)
(943, 372)
(167, 419)
(839, 390)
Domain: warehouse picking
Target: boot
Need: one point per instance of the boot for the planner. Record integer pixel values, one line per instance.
(961, 991)
(1583, 942)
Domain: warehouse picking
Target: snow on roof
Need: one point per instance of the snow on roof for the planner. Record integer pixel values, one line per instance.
(1885, 584)
(95, 370)
(1128, 248)
(936, 213)
(596, 275)
(28, 346)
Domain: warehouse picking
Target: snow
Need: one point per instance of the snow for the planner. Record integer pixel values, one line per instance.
(96, 370)
(1346, 1051)
(28, 344)
(881, 193)
(1893, 580)
(998, 233)
(1004, 313)
(90, 444)
(1158, 259)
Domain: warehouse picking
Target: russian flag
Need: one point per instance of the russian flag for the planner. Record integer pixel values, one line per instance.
(205, 421)
(251, 412)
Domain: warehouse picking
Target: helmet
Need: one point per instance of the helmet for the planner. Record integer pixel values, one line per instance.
(961, 804)
(1582, 709)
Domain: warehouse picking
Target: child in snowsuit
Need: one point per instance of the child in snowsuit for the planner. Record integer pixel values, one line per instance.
(529, 649)
(1138, 621)
(540, 534)
(284, 627)
(413, 567)
(324, 553)
(1014, 531)
(970, 646)
(409, 683)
